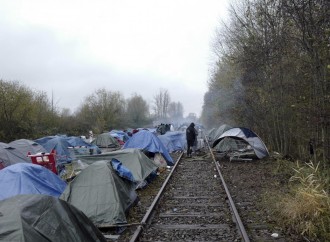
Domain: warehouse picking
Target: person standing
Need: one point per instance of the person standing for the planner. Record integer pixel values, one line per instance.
(191, 138)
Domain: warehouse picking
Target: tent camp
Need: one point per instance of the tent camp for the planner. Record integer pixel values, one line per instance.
(244, 136)
(101, 194)
(133, 159)
(25, 146)
(148, 141)
(9, 156)
(105, 140)
(174, 141)
(44, 218)
(26, 178)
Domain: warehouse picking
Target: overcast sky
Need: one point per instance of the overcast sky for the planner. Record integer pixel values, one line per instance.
(73, 47)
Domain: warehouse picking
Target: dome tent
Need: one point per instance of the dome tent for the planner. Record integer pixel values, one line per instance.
(44, 218)
(101, 194)
(248, 136)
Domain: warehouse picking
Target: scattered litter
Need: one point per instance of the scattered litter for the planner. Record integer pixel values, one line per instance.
(175, 209)
(275, 235)
(215, 176)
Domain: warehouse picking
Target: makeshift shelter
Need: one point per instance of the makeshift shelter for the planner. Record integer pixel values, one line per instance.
(58, 143)
(134, 159)
(101, 194)
(120, 134)
(148, 141)
(26, 178)
(25, 146)
(9, 156)
(174, 141)
(245, 135)
(215, 133)
(44, 218)
(105, 140)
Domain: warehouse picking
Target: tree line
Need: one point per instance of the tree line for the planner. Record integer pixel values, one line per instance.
(272, 74)
(29, 114)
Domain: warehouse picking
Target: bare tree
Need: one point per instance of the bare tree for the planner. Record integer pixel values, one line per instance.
(161, 104)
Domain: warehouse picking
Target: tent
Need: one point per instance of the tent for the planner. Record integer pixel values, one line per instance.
(133, 159)
(105, 140)
(9, 156)
(215, 133)
(148, 141)
(26, 178)
(58, 143)
(44, 218)
(24, 146)
(247, 136)
(174, 140)
(101, 194)
(120, 134)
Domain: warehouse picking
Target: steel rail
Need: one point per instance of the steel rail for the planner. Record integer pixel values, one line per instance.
(231, 202)
(154, 203)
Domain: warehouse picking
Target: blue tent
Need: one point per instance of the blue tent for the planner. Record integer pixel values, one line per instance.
(148, 141)
(174, 140)
(26, 178)
(58, 143)
(75, 141)
(119, 134)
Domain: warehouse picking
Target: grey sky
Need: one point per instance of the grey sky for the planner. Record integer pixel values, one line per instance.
(72, 48)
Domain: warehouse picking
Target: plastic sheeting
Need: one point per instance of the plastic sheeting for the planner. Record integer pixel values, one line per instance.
(174, 141)
(44, 218)
(24, 146)
(148, 141)
(101, 194)
(58, 143)
(105, 140)
(26, 178)
(9, 156)
(133, 159)
(249, 136)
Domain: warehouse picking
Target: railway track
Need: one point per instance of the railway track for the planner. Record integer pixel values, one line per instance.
(193, 204)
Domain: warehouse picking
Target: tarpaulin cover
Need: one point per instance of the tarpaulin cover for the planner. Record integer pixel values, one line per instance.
(248, 135)
(216, 133)
(77, 141)
(44, 218)
(133, 159)
(174, 140)
(122, 170)
(9, 156)
(101, 194)
(58, 143)
(24, 146)
(26, 178)
(146, 140)
(120, 134)
(105, 140)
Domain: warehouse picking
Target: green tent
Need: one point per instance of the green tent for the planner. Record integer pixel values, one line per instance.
(44, 218)
(134, 159)
(101, 194)
(105, 140)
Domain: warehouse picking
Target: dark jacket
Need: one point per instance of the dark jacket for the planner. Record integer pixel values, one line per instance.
(191, 132)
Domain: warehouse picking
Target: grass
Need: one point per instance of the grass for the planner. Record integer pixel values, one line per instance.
(306, 209)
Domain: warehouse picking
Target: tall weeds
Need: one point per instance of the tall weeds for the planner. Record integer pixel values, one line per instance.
(306, 210)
